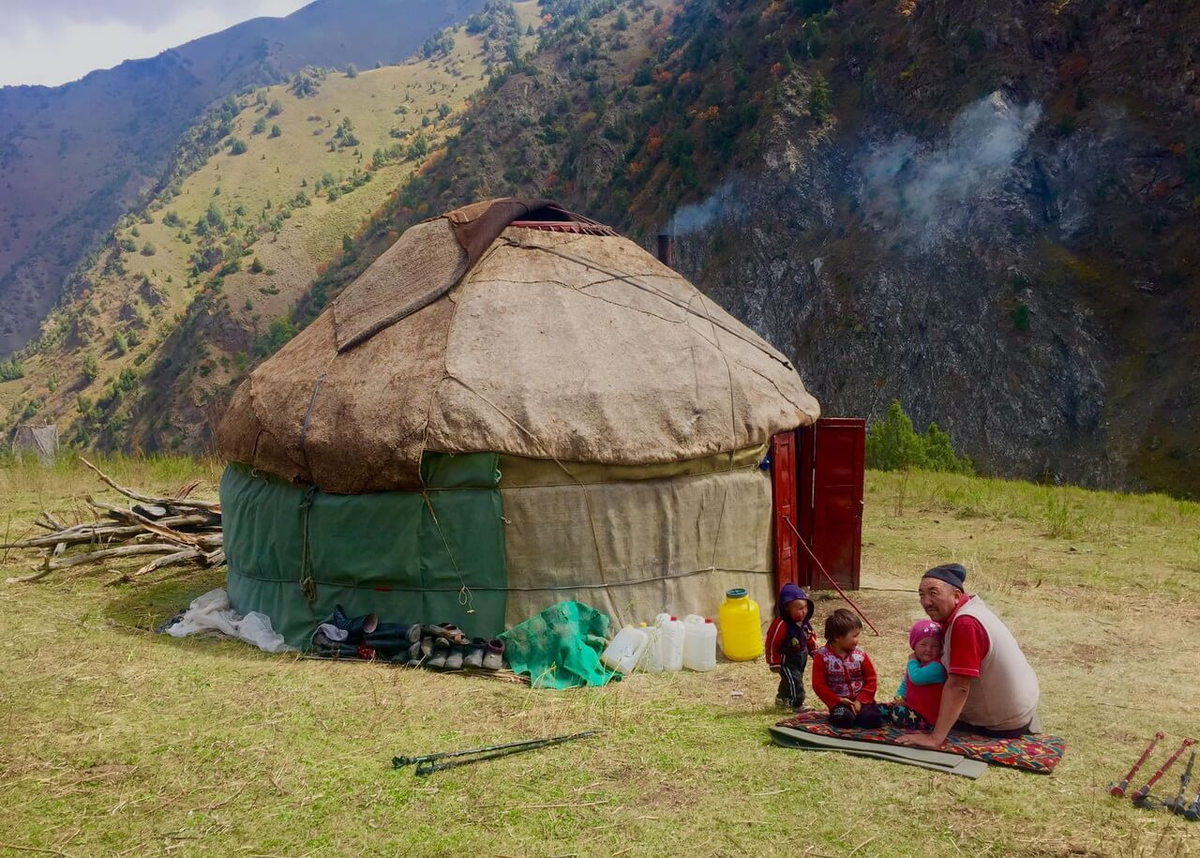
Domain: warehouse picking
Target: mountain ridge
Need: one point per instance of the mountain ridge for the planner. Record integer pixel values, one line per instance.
(111, 130)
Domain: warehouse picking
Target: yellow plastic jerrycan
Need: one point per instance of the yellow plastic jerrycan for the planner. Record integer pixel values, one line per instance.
(741, 627)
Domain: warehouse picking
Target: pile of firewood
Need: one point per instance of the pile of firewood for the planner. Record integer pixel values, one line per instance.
(174, 530)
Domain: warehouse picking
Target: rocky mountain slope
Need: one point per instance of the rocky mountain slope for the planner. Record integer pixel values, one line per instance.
(988, 211)
(74, 157)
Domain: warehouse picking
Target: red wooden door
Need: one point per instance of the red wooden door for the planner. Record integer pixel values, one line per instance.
(830, 500)
(783, 491)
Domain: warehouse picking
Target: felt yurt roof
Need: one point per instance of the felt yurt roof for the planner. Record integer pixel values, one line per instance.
(556, 339)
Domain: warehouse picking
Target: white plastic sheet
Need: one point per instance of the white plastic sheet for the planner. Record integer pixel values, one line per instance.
(211, 614)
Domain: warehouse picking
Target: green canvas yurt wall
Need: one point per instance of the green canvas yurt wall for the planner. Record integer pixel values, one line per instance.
(512, 406)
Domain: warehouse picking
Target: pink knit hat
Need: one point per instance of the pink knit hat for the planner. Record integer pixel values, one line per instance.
(923, 629)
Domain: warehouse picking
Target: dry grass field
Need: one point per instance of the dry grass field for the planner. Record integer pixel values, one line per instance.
(116, 741)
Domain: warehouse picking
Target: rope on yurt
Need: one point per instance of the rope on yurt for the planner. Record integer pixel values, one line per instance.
(732, 427)
(308, 586)
(465, 598)
(645, 287)
(587, 501)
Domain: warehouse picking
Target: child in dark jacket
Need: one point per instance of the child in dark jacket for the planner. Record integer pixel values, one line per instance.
(790, 641)
(843, 676)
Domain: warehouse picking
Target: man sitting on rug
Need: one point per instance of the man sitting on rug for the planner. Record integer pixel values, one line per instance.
(990, 689)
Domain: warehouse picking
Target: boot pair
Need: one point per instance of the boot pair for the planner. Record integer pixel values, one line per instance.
(446, 656)
(486, 655)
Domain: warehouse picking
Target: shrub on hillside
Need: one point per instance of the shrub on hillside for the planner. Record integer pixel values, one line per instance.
(277, 336)
(260, 125)
(276, 131)
(237, 146)
(351, 70)
(820, 102)
(11, 370)
(893, 445)
(275, 109)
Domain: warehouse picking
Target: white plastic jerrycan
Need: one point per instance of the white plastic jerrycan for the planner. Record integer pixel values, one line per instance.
(671, 639)
(626, 649)
(652, 662)
(700, 643)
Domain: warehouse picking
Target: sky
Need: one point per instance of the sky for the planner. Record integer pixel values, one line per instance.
(51, 42)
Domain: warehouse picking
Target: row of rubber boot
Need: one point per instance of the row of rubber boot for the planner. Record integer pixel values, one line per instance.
(439, 653)
(441, 647)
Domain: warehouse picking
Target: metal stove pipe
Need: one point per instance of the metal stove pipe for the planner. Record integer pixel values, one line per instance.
(664, 249)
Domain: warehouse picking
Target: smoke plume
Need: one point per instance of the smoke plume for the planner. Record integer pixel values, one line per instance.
(721, 203)
(931, 189)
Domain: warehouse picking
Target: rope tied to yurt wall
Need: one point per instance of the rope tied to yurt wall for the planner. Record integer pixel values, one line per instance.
(465, 597)
(308, 586)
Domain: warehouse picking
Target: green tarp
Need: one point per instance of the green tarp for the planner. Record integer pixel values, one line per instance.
(560, 647)
(436, 556)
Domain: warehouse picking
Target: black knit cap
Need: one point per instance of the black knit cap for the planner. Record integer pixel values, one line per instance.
(952, 573)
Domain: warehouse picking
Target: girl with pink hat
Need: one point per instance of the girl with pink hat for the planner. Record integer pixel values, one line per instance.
(920, 693)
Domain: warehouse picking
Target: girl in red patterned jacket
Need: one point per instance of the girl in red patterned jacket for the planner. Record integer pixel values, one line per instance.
(843, 676)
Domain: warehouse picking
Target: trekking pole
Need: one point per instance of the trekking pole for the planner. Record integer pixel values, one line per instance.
(1118, 790)
(1139, 797)
(1179, 805)
(1193, 811)
(401, 762)
(428, 767)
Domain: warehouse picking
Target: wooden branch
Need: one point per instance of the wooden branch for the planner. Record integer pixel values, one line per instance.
(169, 560)
(187, 488)
(107, 553)
(91, 532)
(29, 579)
(137, 496)
(217, 558)
(146, 523)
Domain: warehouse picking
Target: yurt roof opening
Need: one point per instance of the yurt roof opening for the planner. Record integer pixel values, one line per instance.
(512, 406)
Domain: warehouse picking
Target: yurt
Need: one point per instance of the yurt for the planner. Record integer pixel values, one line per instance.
(512, 406)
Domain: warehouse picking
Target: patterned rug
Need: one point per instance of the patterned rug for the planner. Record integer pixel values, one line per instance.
(1039, 753)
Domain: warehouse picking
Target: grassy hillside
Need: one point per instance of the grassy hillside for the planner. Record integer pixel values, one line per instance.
(116, 740)
(231, 245)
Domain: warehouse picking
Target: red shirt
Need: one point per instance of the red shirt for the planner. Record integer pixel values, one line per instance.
(851, 676)
(969, 643)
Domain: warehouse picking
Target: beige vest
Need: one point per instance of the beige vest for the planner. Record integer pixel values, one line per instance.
(1005, 696)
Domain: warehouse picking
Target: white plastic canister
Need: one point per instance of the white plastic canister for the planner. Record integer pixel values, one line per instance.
(652, 662)
(671, 640)
(626, 649)
(700, 643)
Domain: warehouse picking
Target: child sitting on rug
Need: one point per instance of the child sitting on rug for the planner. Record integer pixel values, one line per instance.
(919, 696)
(790, 641)
(843, 676)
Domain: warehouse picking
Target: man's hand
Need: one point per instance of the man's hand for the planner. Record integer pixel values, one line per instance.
(853, 705)
(919, 740)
